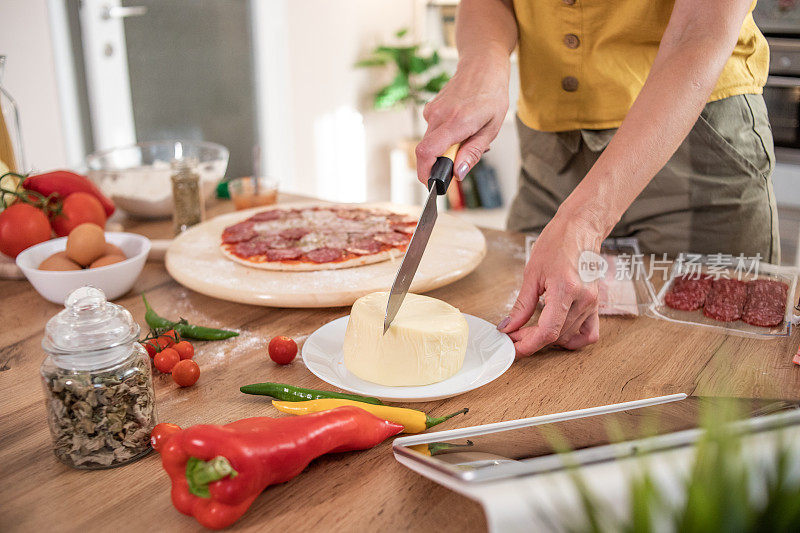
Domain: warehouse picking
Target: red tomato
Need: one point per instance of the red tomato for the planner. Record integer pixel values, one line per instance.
(166, 359)
(152, 348)
(186, 373)
(22, 226)
(282, 349)
(168, 339)
(77, 208)
(184, 349)
(161, 434)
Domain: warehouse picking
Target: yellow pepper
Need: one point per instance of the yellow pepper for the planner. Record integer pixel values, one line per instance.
(414, 421)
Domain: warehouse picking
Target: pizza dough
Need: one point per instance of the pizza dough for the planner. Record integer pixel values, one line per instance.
(425, 344)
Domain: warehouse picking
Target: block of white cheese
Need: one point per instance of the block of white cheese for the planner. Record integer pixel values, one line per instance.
(426, 342)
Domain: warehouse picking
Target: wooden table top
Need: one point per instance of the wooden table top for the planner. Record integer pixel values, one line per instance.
(359, 491)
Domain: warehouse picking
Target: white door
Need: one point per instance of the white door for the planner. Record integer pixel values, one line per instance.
(107, 79)
(171, 69)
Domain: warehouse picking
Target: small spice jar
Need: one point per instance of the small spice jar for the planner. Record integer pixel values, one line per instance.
(187, 195)
(97, 382)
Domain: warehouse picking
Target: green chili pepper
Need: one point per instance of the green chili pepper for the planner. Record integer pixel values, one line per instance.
(289, 393)
(153, 320)
(183, 328)
(200, 332)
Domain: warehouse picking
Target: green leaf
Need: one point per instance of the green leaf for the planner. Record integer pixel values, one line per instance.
(394, 93)
(394, 50)
(435, 84)
(417, 64)
(421, 63)
(374, 61)
(401, 33)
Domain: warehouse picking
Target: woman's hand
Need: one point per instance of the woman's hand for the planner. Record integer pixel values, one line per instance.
(569, 318)
(470, 110)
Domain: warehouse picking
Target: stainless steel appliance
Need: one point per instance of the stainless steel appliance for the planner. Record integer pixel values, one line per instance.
(782, 91)
(779, 20)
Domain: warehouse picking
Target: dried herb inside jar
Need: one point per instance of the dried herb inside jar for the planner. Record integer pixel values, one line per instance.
(101, 419)
(187, 196)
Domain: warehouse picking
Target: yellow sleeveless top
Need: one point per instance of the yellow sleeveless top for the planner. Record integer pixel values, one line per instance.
(583, 62)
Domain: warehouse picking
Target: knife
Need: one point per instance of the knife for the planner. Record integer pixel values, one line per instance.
(441, 174)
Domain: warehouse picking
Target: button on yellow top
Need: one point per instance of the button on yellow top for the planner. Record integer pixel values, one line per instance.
(570, 84)
(571, 41)
(582, 63)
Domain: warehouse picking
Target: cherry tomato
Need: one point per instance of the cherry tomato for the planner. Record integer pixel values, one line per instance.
(166, 359)
(161, 434)
(22, 226)
(168, 339)
(184, 349)
(186, 373)
(282, 349)
(77, 208)
(152, 348)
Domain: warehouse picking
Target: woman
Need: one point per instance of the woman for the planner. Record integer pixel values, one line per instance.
(635, 119)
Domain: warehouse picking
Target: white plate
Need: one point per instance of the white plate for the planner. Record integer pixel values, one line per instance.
(489, 354)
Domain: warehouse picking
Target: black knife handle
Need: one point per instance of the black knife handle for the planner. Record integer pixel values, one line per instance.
(442, 170)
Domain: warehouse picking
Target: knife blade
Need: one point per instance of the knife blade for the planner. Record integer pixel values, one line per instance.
(441, 174)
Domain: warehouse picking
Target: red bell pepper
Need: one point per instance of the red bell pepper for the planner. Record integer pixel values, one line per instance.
(217, 471)
(63, 183)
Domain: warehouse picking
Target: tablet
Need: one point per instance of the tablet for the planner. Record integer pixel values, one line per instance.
(533, 445)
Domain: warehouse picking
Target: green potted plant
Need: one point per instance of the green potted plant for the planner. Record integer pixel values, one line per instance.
(417, 78)
(725, 490)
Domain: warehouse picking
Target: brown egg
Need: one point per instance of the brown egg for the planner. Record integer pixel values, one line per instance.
(112, 249)
(86, 242)
(107, 260)
(59, 261)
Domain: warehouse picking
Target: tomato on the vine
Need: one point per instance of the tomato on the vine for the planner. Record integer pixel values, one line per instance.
(184, 349)
(152, 347)
(77, 208)
(168, 339)
(282, 349)
(166, 359)
(22, 226)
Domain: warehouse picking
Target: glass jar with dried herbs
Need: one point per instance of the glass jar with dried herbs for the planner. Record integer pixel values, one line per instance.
(97, 382)
(187, 195)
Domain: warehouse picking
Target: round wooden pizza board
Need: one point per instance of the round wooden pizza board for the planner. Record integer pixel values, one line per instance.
(194, 259)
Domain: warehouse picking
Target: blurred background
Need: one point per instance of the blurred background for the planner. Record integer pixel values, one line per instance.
(284, 75)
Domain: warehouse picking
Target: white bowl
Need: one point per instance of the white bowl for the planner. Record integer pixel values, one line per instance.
(137, 177)
(114, 280)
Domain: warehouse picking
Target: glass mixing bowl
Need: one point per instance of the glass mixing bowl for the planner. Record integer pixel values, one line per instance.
(137, 177)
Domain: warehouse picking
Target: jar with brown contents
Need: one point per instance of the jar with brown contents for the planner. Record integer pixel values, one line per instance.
(98, 383)
(188, 196)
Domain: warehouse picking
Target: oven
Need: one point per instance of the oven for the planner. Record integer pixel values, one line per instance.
(779, 21)
(782, 91)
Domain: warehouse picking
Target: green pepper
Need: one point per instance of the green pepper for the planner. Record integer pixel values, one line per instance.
(200, 332)
(153, 320)
(290, 393)
(183, 328)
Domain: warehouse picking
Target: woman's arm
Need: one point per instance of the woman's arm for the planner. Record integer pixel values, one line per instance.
(698, 41)
(471, 107)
